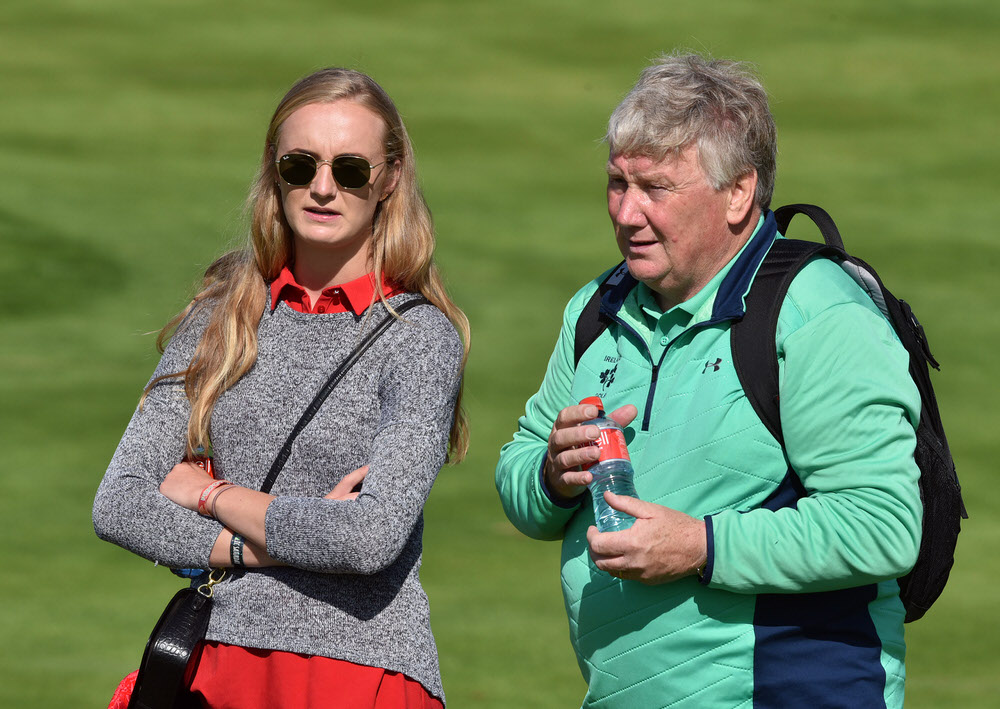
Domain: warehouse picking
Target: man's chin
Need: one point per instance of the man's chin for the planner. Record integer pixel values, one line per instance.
(644, 271)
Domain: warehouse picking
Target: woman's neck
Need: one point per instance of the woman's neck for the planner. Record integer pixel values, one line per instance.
(316, 269)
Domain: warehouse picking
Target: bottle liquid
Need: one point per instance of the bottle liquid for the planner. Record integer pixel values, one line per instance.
(612, 471)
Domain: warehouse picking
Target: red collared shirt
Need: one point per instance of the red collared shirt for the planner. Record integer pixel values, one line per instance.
(354, 296)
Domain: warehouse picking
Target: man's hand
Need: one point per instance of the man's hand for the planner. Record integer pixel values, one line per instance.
(662, 546)
(569, 447)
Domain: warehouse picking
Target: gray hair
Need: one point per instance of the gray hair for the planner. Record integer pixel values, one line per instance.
(720, 106)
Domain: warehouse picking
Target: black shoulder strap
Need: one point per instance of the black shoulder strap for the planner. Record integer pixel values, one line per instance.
(752, 337)
(755, 356)
(590, 324)
(324, 392)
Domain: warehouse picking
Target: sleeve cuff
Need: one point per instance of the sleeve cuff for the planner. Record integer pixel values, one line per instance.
(706, 578)
(567, 503)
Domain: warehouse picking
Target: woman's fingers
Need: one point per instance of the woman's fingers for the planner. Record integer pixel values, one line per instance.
(344, 490)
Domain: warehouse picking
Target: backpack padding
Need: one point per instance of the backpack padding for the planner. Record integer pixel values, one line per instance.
(755, 355)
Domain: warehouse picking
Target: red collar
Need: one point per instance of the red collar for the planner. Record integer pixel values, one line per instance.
(354, 296)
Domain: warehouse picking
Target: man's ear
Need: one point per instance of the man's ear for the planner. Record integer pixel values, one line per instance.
(392, 180)
(741, 194)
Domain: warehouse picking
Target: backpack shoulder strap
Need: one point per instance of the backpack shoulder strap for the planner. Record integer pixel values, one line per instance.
(755, 356)
(590, 324)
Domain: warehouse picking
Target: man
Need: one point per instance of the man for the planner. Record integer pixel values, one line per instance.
(755, 574)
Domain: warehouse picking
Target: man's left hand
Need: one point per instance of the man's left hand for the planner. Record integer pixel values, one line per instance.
(662, 546)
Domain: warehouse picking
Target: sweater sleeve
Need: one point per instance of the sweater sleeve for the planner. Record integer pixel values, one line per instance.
(418, 389)
(848, 413)
(526, 500)
(129, 510)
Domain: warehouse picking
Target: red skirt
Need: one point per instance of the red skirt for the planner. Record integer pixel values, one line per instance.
(232, 677)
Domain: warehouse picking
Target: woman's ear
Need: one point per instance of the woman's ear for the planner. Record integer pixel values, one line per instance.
(392, 179)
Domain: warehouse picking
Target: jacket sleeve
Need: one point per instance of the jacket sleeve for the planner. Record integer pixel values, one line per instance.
(418, 389)
(129, 510)
(526, 500)
(848, 413)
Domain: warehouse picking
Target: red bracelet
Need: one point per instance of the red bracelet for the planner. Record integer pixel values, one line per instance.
(206, 493)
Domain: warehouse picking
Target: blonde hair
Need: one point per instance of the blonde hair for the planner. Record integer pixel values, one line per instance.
(719, 105)
(402, 250)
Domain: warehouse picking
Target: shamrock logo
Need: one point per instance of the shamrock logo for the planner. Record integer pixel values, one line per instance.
(608, 377)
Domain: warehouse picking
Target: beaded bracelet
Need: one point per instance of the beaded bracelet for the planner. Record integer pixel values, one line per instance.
(203, 498)
(236, 551)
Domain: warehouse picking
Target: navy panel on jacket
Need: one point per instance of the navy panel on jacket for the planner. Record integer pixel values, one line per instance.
(817, 650)
(827, 637)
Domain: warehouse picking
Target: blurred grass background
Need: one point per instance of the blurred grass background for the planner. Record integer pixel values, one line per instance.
(128, 136)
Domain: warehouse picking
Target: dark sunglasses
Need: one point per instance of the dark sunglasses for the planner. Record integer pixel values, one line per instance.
(350, 171)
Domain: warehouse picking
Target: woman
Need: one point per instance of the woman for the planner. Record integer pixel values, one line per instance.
(326, 608)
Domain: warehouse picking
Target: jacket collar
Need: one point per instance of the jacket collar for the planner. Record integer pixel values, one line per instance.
(730, 302)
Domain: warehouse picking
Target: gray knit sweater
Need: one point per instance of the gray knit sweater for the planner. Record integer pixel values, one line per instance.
(352, 589)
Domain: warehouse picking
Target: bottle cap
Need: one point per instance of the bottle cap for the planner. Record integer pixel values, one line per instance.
(594, 400)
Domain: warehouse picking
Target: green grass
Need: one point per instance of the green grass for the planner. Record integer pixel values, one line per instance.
(128, 136)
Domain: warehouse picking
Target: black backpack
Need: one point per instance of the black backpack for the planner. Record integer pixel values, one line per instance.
(756, 361)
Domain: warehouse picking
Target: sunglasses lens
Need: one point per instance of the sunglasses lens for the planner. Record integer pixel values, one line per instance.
(297, 169)
(351, 172)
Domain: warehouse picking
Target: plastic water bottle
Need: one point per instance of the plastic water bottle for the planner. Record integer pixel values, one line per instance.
(612, 471)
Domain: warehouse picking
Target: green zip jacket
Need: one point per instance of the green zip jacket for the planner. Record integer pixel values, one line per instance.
(798, 606)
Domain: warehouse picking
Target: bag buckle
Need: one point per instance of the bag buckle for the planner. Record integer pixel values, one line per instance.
(214, 577)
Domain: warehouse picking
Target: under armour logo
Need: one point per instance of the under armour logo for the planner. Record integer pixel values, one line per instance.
(608, 376)
(714, 365)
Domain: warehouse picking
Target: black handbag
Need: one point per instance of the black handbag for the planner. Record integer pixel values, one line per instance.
(182, 625)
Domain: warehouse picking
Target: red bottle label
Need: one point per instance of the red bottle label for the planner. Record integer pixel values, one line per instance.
(611, 445)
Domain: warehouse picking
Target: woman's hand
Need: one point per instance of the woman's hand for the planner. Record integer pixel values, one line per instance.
(244, 511)
(345, 489)
(184, 484)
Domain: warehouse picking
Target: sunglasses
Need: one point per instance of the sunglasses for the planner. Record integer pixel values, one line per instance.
(349, 171)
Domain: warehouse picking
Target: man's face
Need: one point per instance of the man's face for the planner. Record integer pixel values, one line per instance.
(670, 223)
